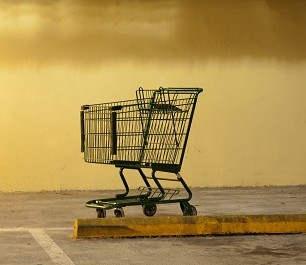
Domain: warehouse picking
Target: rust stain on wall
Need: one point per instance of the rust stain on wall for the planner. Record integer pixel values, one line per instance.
(94, 32)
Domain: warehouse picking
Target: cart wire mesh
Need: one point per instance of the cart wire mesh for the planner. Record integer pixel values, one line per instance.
(151, 129)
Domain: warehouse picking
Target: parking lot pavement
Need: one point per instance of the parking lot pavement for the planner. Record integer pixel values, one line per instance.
(36, 228)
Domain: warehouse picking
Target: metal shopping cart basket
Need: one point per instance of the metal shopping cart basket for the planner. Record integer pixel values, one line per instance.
(150, 131)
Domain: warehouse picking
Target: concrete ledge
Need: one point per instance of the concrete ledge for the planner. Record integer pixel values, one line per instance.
(189, 225)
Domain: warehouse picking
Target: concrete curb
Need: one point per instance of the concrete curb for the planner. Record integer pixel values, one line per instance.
(189, 226)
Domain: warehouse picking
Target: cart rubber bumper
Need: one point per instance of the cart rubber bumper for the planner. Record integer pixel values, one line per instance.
(189, 226)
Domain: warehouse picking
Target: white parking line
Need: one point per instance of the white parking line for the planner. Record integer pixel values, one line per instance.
(17, 229)
(52, 249)
(25, 229)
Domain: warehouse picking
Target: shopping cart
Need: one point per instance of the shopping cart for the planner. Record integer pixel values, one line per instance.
(148, 132)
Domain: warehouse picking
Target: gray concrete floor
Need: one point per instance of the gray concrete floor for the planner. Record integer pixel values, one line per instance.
(36, 228)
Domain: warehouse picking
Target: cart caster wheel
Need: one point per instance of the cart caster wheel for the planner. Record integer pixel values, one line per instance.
(101, 213)
(190, 211)
(149, 210)
(182, 206)
(119, 212)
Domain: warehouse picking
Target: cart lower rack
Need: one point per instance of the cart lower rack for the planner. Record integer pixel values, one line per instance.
(150, 131)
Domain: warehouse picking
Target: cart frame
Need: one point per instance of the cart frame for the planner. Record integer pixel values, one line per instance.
(149, 132)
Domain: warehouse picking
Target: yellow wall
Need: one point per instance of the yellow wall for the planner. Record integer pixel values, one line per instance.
(249, 56)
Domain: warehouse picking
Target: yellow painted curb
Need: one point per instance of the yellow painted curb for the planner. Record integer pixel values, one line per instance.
(189, 225)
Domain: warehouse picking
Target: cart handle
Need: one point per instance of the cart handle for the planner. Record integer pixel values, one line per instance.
(182, 90)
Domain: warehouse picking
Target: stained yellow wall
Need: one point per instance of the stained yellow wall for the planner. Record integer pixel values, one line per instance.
(249, 56)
